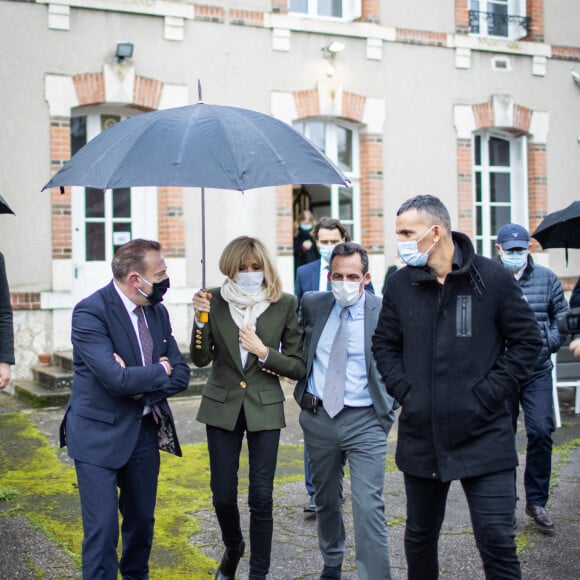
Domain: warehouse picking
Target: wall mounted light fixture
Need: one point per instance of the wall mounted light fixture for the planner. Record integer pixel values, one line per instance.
(124, 50)
(575, 77)
(332, 49)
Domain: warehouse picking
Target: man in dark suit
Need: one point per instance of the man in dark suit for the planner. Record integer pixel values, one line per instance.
(328, 232)
(126, 364)
(355, 427)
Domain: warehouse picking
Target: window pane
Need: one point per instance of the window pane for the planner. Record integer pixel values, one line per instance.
(479, 220)
(121, 229)
(499, 152)
(330, 8)
(344, 137)
(478, 186)
(345, 207)
(95, 239)
(78, 133)
(319, 200)
(122, 202)
(497, 21)
(477, 149)
(479, 246)
(94, 203)
(298, 6)
(316, 133)
(499, 184)
(500, 216)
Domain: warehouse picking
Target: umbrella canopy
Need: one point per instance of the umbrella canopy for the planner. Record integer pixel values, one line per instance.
(4, 207)
(198, 146)
(560, 229)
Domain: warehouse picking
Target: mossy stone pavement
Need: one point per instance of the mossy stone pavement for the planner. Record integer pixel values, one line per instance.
(36, 479)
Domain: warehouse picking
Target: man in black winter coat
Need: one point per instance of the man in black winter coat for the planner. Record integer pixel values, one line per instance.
(545, 295)
(454, 341)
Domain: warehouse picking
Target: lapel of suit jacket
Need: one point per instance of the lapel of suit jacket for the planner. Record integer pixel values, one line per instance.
(371, 319)
(316, 277)
(229, 332)
(117, 309)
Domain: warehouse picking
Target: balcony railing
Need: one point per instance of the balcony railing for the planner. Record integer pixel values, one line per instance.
(497, 23)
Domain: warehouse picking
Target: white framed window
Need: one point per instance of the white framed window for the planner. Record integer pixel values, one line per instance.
(499, 18)
(342, 9)
(500, 190)
(104, 220)
(339, 141)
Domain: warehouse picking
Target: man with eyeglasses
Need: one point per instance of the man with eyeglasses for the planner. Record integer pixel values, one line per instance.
(545, 295)
(346, 414)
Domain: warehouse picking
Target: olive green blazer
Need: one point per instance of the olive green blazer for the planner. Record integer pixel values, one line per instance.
(255, 386)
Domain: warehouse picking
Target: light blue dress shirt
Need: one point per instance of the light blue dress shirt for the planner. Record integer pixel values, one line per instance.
(356, 390)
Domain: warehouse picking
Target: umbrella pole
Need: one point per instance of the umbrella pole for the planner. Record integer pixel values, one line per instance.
(203, 316)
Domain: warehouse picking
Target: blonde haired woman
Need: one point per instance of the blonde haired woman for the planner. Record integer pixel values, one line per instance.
(252, 339)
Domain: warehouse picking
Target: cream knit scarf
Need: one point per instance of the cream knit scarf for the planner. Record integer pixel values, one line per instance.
(244, 308)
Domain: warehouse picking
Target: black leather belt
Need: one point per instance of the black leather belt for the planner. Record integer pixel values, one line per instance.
(311, 403)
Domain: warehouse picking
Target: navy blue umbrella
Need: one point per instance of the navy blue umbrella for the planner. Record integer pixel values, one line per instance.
(4, 207)
(198, 146)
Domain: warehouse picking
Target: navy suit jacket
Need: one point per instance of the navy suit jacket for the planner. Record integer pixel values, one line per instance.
(316, 308)
(103, 419)
(308, 280)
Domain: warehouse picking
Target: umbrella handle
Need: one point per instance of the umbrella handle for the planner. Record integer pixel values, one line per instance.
(203, 316)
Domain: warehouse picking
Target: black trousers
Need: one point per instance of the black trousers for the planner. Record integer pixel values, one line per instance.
(224, 456)
(491, 500)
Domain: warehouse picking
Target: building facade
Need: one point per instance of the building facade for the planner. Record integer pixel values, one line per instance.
(475, 101)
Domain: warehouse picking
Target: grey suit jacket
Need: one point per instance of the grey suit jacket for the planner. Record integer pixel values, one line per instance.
(316, 307)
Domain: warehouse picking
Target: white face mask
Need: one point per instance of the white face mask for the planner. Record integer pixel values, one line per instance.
(346, 293)
(250, 282)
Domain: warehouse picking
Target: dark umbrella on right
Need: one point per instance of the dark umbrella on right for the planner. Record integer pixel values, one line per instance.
(560, 229)
(4, 207)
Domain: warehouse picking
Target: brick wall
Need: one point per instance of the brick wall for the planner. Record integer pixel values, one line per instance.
(462, 16)
(535, 10)
(25, 300)
(464, 187)
(371, 192)
(284, 221)
(61, 204)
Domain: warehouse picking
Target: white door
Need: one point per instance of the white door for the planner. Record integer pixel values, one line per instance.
(104, 220)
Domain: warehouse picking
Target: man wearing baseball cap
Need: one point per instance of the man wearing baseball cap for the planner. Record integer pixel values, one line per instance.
(544, 293)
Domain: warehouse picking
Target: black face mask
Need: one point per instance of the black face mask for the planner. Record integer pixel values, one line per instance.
(157, 292)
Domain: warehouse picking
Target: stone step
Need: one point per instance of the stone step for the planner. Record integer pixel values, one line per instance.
(53, 378)
(35, 395)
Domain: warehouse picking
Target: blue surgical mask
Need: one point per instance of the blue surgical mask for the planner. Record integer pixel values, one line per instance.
(514, 261)
(306, 227)
(325, 252)
(410, 254)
